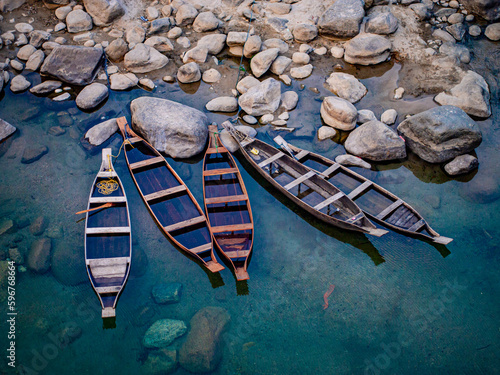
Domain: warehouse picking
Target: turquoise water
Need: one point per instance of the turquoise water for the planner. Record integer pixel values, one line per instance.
(400, 305)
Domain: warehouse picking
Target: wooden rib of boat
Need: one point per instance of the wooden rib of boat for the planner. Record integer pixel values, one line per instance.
(168, 198)
(227, 205)
(108, 239)
(303, 186)
(377, 203)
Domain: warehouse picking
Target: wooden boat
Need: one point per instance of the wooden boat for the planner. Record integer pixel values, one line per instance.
(108, 239)
(303, 186)
(227, 205)
(168, 199)
(377, 203)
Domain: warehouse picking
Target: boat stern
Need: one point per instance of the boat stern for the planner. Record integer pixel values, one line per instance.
(214, 266)
(108, 312)
(377, 232)
(241, 274)
(442, 240)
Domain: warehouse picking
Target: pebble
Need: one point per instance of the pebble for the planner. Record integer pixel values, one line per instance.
(320, 51)
(168, 79)
(475, 30)
(249, 119)
(62, 97)
(278, 123)
(398, 93)
(174, 33)
(183, 42)
(266, 119)
(284, 116)
(59, 27)
(326, 132)
(305, 48)
(286, 79)
(389, 117)
(146, 82)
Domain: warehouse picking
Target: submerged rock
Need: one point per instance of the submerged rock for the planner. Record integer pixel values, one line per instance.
(39, 255)
(163, 332)
(167, 293)
(461, 164)
(346, 86)
(100, 133)
(66, 262)
(161, 362)
(342, 19)
(262, 98)
(6, 129)
(482, 189)
(38, 226)
(33, 153)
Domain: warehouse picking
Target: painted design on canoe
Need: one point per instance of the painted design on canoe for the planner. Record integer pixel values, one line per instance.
(168, 199)
(108, 238)
(377, 203)
(302, 186)
(227, 205)
(326, 295)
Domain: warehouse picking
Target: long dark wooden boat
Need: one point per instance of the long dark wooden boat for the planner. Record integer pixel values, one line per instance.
(303, 186)
(227, 205)
(377, 203)
(168, 198)
(108, 239)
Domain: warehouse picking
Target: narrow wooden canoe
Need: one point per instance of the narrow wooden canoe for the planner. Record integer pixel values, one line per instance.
(303, 186)
(377, 203)
(227, 205)
(108, 239)
(168, 198)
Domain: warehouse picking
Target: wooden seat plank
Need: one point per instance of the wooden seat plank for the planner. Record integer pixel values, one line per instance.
(360, 189)
(327, 172)
(107, 230)
(356, 218)
(150, 161)
(417, 226)
(237, 254)
(107, 174)
(390, 209)
(232, 228)
(228, 199)
(246, 142)
(299, 180)
(329, 201)
(164, 193)
(134, 139)
(215, 172)
(108, 289)
(201, 249)
(301, 154)
(107, 200)
(185, 223)
(216, 150)
(276, 156)
(99, 262)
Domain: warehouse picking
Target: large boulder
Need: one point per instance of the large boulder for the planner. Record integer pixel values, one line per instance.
(92, 95)
(163, 332)
(166, 293)
(471, 94)
(488, 9)
(161, 362)
(262, 98)
(338, 113)
(67, 264)
(342, 19)
(73, 64)
(39, 255)
(261, 62)
(8, 5)
(375, 141)
(367, 49)
(6, 129)
(104, 11)
(439, 134)
(144, 59)
(78, 20)
(202, 350)
(346, 86)
(176, 129)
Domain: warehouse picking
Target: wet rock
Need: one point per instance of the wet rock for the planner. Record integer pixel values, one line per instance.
(338, 113)
(367, 49)
(443, 35)
(202, 350)
(279, 65)
(389, 117)
(147, 83)
(25, 52)
(482, 190)
(6, 129)
(262, 61)
(382, 24)
(492, 32)
(7, 226)
(456, 18)
(38, 37)
(104, 12)
(352, 161)
(189, 73)
(346, 86)
(161, 362)
(62, 97)
(300, 58)
(275, 43)
(457, 31)
(67, 333)
(142, 315)
(211, 76)
(229, 142)
(160, 43)
(262, 98)
(301, 72)
(135, 35)
(116, 50)
(474, 30)
(305, 32)
(252, 46)
(439, 134)
(471, 94)
(56, 131)
(461, 164)
(326, 132)
(39, 255)
(185, 14)
(247, 83)
(16, 256)
(22, 27)
(167, 293)
(73, 64)
(159, 26)
(19, 84)
(457, 51)
(35, 60)
(100, 133)
(289, 100)
(38, 226)
(375, 141)
(163, 332)
(266, 119)
(214, 43)
(78, 21)
(205, 21)
(46, 87)
(178, 130)
(197, 54)
(222, 104)
(66, 263)
(249, 119)
(488, 9)
(144, 59)
(342, 19)
(121, 82)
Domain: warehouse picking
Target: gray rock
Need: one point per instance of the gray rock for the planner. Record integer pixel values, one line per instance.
(92, 95)
(167, 293)
(421, 10)
(178, 130)
(120, 82)
(100, 133)
(135, 35)
(21, 40)
(382, 23)
(443, 35)
(338, 113)
(160, 362)
(275, 43)
(389, 117)
(39, 255)
(78, 20)
(62, 12)
(16, 65)
(196, 54)
(439, 134)
(279, 65)
(160, 43)
(266, 119)
(457, 31)
(25, 52)
(38, 226)
(38, 37)
(456, 18)
(289, 100)
(23, 27)
(189, 73)
(279, 8)
(104, 12)
(236, 38)
(326, 132)
(205, 21)
(176, 32)
(492, 32)
(246, 83)
(301, 72)
(62, 97)
(488, 9)
(474, 30)
(346, 86)
(305, 32)
(214, 43)
(352, 161)
(342, 19)
(73, 64)
(8, 5)
(160, 25)
(455, 50)
(144, 59)
(252, 46)
(367, 49)
(365, 115)
(147, 83)
(211, 76)
(482, 189)
(229, 142)
(222, 104)
(375, 141)
(19, 84)
(249, 119)
(471, 94)
(6, 129)
(163, 332)
(185, 14)
(262, 61)
(300, 58)
(116, 50)
(35, 60)
(152, 13)
(461, 164)
(262, 98)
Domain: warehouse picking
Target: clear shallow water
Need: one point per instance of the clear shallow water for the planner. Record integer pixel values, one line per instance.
(399, 305)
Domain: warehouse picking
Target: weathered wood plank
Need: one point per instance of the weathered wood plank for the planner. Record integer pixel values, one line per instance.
(100, 262)
(164, 193)
(107, 230)
(328, 201)
(417, 226)
(215, 172)
(228, 199)
(108, 289)
(356, 218)
(246, 142)
(299, 180)
(201, 249)
(390, 209)
(144, 163)
(276, 156)
(217, 150)
(301, 154)
(232, 228)
(135, 139)
(107, 174)
(360, 189)
(237, 254)
(107, 200)
(185, 223)
(329, 171)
